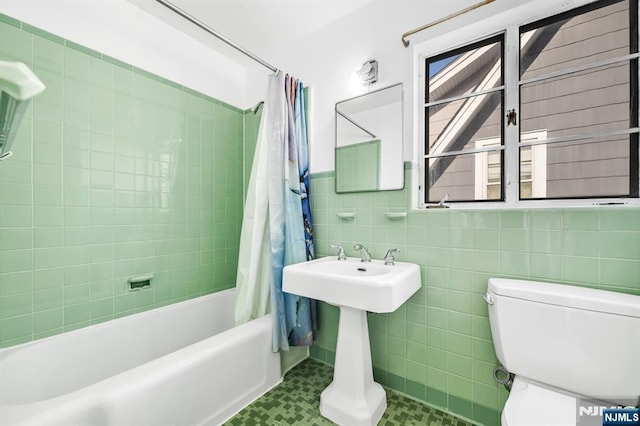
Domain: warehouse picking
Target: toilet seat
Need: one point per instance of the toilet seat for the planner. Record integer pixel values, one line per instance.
(530, 404)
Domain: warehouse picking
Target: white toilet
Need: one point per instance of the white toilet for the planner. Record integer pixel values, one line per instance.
(565, 344)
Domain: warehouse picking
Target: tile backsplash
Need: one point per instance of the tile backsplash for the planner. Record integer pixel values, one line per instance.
(437, 348)
(116, 172)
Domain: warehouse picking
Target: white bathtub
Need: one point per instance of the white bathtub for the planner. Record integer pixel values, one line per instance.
(183, 364)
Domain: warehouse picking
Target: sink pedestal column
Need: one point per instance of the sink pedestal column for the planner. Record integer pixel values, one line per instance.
(353, 398)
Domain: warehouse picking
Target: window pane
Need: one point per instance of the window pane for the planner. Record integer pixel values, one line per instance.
(525, 164)
(533, 172)
(493, 192)
(583, 39)
(466, 177)
(592, 168)
(456, 125)
(590, 101)
(464, 71)
(494, 168)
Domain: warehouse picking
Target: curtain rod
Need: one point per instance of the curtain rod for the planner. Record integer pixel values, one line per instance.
(216, 34)
(441, 20)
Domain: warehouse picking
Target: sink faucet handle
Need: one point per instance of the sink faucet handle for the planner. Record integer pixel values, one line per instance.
(389, 259)
(341, 254)
(364, 252)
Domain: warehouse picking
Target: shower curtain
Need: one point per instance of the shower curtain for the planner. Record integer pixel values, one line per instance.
(277, 225)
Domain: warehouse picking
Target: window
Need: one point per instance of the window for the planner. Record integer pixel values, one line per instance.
(555, 117)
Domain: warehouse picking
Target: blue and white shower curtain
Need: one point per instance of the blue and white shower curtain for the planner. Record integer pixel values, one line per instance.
(277, 224)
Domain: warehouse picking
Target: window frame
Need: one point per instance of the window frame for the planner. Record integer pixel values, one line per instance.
(476, 32)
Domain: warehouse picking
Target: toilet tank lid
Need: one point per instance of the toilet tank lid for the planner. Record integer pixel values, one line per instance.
(567, 295)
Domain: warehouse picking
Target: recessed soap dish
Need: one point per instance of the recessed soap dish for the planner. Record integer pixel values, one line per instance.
(139, 282)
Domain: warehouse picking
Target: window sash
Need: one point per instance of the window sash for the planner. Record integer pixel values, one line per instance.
(490, 84)
(631, 58)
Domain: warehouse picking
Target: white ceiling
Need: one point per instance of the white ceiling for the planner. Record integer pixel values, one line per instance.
(261, 25)
(265, 27)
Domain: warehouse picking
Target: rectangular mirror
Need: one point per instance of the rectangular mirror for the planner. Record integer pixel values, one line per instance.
(369, 142)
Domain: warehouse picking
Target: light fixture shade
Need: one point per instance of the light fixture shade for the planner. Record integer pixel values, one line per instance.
(18, 84)
(368, 73)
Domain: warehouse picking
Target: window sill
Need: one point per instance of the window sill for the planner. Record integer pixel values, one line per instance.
(605, 203)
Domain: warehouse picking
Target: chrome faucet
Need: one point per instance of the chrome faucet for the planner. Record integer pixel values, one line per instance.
(341, 254)
(364, 253)
(388, 258)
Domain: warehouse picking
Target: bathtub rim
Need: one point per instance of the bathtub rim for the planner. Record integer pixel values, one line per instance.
(14, 412)
(6, 351)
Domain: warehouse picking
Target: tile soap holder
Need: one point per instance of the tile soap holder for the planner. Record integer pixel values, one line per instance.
(346, 215)
(139, 282)
(395, 215)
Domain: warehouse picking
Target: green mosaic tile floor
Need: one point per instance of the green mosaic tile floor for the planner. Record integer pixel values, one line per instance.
(296, 401)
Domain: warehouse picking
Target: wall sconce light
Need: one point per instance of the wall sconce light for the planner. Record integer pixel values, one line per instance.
(368, 73)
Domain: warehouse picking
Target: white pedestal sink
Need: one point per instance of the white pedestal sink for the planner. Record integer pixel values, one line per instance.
(353, 398)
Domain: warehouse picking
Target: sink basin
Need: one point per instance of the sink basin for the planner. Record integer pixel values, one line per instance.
(369, 286)
(353, 398)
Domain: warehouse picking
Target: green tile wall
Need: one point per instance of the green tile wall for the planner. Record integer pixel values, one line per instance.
(115, 172)
(437, 347)
(359, 166)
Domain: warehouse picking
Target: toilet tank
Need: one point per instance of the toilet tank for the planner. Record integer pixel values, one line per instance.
(582, 340)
